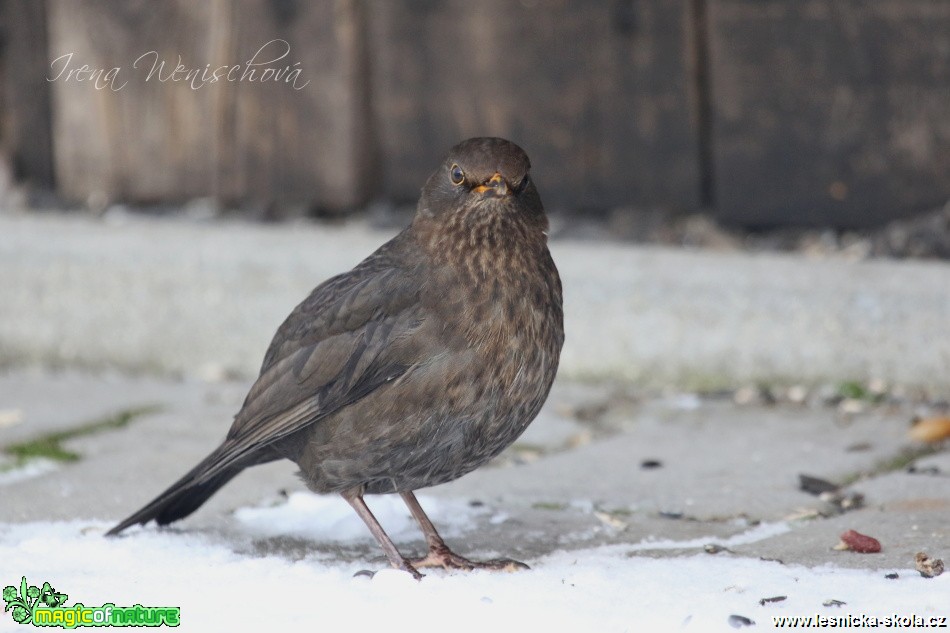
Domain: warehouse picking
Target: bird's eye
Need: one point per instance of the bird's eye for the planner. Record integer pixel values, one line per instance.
(457, 175)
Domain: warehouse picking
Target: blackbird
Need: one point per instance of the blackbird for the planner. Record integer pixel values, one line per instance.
(416, 367)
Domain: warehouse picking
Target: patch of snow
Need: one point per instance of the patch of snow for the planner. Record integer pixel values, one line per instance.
(601, 589)
(330, 518)
(32, 468)
(758, 533)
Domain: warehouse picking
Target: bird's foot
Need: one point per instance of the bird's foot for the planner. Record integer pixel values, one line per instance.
(442, 556)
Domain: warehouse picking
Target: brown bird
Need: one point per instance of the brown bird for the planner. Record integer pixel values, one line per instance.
(416, 367)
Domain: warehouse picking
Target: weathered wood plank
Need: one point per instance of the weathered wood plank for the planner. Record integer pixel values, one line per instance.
(154, 136)
(119, 135)
(599, 94)
(830, 111)
(25, 135)
(306, 145)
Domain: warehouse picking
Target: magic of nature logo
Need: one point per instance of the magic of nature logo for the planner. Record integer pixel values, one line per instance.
(44, 606)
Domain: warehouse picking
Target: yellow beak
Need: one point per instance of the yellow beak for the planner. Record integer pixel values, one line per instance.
(496, 185)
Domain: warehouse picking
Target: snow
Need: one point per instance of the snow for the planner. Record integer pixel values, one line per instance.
(33, 468)
(330, 518)
(757, 533)
(221, 584)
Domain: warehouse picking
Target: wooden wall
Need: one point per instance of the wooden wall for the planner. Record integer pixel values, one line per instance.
(763, 112)
(153, 141)
(833, 109)
(599, 93)
(25, 115)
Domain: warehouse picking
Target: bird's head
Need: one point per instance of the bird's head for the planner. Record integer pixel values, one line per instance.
(482, 175)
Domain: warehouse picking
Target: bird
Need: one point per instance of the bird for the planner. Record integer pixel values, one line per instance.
(417, 366)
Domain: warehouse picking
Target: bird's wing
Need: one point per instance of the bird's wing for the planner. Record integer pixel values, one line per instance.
(354, 333)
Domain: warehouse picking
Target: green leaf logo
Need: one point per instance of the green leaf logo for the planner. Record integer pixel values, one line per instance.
(44, 606)
(23, 600)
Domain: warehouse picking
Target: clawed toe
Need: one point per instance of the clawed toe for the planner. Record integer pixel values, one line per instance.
(446, 559)
(503, 564)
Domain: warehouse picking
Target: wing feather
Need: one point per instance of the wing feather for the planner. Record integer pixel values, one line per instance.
(352, 334)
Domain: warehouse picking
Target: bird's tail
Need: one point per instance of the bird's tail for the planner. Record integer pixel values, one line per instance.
(185, 495)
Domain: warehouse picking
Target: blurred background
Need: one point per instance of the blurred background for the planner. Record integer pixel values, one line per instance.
(751, 115)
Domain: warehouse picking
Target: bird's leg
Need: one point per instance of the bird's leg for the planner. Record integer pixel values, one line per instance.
(439, 553)
(354, 497)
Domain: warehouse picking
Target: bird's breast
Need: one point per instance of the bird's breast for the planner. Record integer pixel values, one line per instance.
(509, 316)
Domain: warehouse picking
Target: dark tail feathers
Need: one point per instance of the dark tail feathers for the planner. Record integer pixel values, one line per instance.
(184, 496)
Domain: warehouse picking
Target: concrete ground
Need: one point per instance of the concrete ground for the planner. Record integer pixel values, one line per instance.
(170, 296)
(170, 318)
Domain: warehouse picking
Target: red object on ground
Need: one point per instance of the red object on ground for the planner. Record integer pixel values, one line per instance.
(861, 543)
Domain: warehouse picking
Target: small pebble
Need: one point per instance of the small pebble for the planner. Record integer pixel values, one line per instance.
(10, 417)
(928, 567)
(843, 502)
(738, 621)
(815, 485)
(610, 520)
(745, 395)
(927, 470)
(877, 386)
(797, 394)
(851, 406)
(767, 559)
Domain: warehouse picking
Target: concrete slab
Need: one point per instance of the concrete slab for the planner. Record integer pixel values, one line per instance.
(727, 474)
(169, 296)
